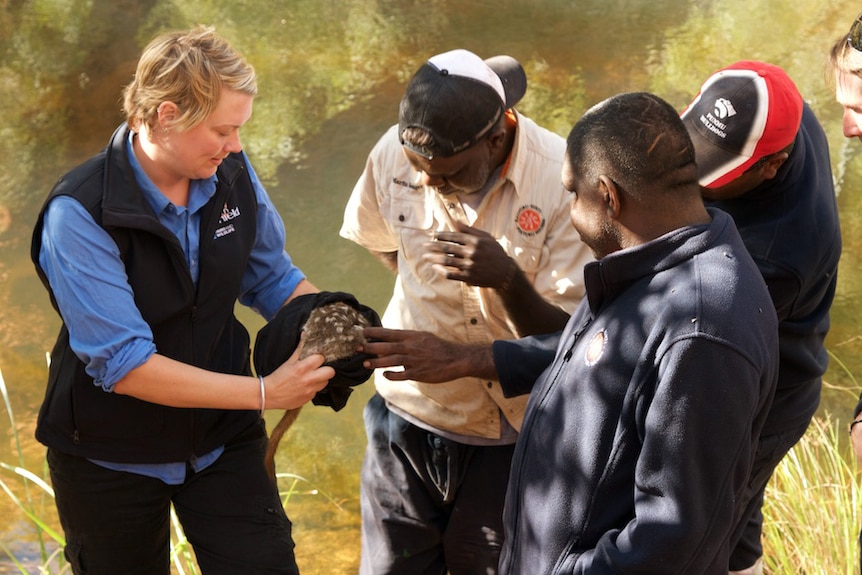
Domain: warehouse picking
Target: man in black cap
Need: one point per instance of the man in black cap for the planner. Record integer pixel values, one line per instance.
(462, 200)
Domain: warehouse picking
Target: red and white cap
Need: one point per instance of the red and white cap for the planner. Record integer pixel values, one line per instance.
(743, 112)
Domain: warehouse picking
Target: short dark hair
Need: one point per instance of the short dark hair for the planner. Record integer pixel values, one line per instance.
(763, 159)
(638, 140)
(419, 138)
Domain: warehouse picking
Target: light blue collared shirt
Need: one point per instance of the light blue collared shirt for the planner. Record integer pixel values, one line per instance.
(89, 281)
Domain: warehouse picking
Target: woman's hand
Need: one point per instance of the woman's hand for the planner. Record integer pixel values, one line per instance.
(296, 381)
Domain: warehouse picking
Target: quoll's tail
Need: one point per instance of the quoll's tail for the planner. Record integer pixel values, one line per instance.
(333, 330)
(278, 431)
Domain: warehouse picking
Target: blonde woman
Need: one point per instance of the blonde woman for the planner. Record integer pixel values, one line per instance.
(151, 401)
(845, 62)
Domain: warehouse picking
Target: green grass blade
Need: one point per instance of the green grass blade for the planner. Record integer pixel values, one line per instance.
(32, 516)
(313, 490)
(13, 558)
(31, 476)
(810, 524)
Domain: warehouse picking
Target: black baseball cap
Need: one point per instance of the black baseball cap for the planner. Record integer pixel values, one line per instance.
(457, 98)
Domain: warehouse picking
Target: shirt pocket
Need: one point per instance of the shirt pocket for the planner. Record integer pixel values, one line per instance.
(411, 214)
(529, 256)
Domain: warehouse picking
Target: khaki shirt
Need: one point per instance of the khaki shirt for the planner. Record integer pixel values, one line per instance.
(527, 211)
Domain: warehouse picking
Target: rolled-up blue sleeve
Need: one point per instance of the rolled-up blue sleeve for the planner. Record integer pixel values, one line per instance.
(88, 279)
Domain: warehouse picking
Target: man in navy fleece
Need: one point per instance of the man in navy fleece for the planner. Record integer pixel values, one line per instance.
(618, 467)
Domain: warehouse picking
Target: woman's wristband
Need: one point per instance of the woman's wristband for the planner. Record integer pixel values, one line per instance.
(855, 421)
(262, 395)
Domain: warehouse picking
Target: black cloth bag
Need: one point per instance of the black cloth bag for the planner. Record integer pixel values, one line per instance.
(277, 340)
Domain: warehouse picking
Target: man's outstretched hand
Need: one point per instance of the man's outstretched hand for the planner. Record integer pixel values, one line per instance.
(425, 357)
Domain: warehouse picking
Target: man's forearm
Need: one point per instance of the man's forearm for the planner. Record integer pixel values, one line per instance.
(529, 311)
(474, 360)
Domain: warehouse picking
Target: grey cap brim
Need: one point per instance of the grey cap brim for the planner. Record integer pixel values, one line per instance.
(513, 76)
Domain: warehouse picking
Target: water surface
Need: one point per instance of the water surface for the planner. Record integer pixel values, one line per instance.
(331, 74)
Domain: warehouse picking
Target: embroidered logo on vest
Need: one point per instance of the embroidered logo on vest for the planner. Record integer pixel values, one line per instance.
(530, 220)
(227, 214)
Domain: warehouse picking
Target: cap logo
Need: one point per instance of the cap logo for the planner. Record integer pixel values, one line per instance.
(530, 220)
(724, 108)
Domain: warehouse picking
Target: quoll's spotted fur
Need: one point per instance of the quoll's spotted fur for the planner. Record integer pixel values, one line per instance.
(333, 330)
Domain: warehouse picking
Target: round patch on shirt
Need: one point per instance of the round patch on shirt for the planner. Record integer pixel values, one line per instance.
(596, 348)
(530, 220)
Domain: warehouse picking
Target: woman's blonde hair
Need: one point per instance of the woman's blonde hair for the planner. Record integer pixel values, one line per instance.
(840, 56)
(188, 68)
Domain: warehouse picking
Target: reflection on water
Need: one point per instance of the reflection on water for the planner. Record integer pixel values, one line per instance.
(331, 75)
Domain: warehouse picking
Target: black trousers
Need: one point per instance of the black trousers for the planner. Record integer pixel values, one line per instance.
(117, 522)
(430, 506)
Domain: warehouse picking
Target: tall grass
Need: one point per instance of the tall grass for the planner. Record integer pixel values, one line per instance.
(34, 498)
(812, 504)
(811, 508)
(32, 506)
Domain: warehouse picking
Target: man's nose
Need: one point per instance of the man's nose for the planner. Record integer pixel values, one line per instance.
(432, 181)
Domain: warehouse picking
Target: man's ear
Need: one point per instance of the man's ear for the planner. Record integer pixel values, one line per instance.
(772, 164)
(611, 196)
(497, 138)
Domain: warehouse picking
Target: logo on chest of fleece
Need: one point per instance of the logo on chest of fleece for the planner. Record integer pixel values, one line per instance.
(227, 214)
(529, 220)
(596, 348)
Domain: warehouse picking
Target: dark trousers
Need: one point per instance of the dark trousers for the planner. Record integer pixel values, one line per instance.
(429, 505)
(745, 544)
(117, 522)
